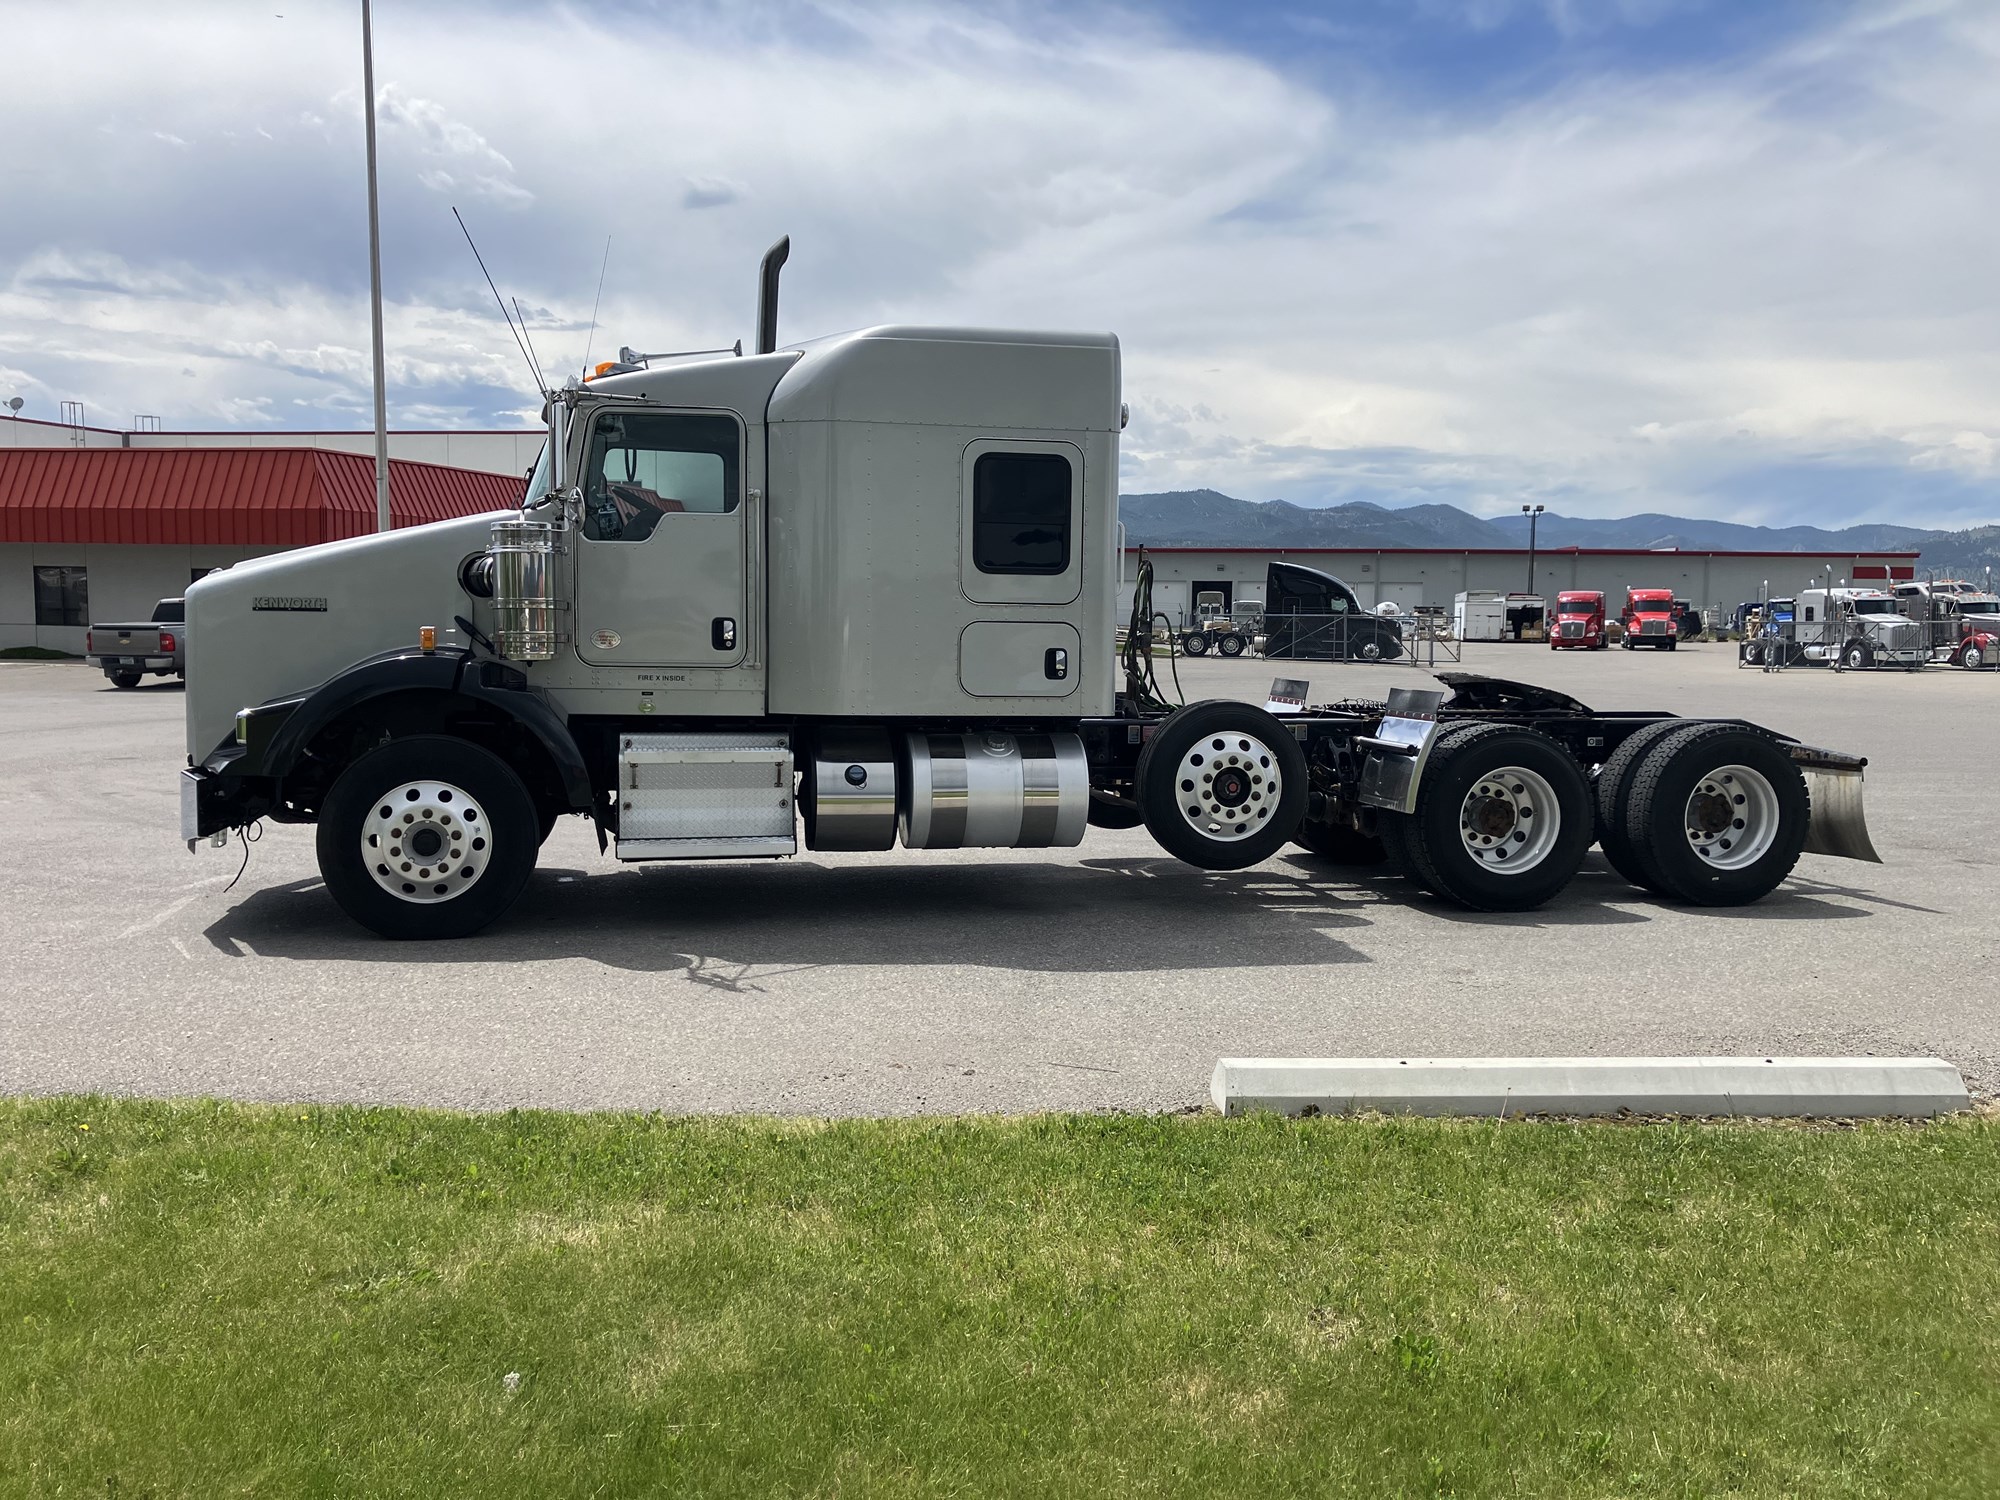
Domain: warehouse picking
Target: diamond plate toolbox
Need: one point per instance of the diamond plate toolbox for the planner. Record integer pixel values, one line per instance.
(704, 796)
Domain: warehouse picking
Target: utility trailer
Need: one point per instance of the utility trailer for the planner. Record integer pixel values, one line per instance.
(861, 592)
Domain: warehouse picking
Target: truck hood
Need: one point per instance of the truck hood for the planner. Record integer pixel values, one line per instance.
(284, 624)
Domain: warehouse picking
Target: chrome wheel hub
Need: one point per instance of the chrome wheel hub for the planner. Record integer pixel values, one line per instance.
(1227, 786)
(1510, 820)
(426, 841)
(1732, 817)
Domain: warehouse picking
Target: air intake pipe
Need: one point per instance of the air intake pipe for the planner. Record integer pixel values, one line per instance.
(767, 295)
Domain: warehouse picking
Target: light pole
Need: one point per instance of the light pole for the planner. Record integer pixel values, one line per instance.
(1534, 514)
(375, 280)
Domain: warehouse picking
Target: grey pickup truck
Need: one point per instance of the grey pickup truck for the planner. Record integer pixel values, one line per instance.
(128, 652)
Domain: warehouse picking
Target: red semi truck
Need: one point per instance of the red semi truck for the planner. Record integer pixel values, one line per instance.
(1579, 621)
(1648, 618)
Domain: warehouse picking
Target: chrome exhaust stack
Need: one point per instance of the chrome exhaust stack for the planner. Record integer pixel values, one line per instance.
(527, 616)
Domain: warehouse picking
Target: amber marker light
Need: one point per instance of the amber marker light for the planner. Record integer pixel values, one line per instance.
(427, 638)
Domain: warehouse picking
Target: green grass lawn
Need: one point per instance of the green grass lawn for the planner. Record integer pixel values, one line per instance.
(204, 1300)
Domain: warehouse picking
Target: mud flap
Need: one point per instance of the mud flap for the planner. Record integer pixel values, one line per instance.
(1838, 825)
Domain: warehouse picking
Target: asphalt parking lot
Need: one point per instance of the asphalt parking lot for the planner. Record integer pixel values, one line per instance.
(1106, 976)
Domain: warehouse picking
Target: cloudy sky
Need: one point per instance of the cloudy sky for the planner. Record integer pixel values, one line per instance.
(1728, 259)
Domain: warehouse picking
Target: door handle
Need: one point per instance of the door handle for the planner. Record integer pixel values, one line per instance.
(722, 633)
(1055, 664)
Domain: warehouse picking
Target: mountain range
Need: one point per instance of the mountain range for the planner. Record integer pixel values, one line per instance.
(1208, 518)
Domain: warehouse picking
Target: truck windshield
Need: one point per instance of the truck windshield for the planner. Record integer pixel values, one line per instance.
(538, 477)
(1577, 607)
(1876, 607)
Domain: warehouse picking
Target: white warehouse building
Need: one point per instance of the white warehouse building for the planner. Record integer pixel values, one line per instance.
(1409, 577)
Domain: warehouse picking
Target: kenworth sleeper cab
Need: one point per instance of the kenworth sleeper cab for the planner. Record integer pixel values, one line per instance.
(861, 591)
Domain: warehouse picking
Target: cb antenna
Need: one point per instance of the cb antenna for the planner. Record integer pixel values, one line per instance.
(588, 342)
(522, 318)
(505, 316)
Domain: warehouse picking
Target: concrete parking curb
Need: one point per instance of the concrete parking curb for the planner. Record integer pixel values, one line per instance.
(1796, 1087)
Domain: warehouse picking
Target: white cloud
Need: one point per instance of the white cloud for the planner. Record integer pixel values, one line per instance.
(1641, 292)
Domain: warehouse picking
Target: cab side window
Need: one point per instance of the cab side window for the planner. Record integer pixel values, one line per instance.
(1021, 513)
(644, 465)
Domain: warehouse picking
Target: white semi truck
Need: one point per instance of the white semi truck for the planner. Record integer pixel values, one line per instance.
(860, 591)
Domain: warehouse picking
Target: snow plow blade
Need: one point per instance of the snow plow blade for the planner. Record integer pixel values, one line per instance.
(1839, 827)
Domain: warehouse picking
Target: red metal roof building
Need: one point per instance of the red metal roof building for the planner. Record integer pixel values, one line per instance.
(105, 532)
(264, 498)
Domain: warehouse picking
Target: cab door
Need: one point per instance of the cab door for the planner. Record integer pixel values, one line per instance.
(662, 554)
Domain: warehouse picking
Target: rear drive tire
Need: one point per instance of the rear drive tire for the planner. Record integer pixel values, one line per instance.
(1231, 645)
(1503, 818)
(428, 837)
(1194, 643)
(1612, 792)
(1718, 815)
(125, 679)
(1222, 785)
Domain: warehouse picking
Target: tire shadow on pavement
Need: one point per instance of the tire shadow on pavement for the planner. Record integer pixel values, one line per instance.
(1597, 897)
(1097, 917)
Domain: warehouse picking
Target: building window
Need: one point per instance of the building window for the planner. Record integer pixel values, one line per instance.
(62, 596)
(1021, 513)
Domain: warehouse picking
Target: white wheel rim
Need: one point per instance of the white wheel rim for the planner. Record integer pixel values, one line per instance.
(1227, 785)
(426, 842)
(1732, 817)
(1510, 820)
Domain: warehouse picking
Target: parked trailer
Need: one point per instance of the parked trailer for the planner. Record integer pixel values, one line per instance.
(860, 592)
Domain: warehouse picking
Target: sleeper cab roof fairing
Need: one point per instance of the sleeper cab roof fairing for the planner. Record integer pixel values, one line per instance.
(997, 379)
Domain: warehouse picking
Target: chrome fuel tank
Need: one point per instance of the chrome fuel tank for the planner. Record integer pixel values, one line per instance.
(993, 791)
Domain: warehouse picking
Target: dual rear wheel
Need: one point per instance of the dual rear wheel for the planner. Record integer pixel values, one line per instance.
(1712, 814)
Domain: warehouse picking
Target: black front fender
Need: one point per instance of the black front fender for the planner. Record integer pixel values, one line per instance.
(276, 734)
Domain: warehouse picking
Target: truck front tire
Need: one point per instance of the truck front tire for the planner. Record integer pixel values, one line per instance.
(427, 837)
(1222, 785)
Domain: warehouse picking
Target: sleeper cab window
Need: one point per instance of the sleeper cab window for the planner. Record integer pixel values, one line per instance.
(1021, 513)
(643, 465)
